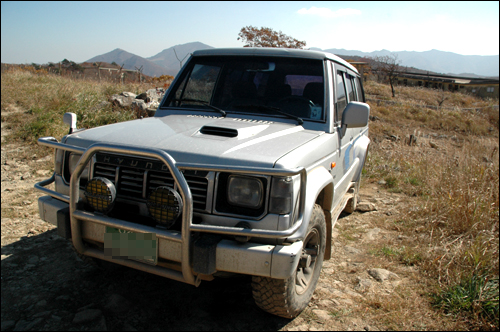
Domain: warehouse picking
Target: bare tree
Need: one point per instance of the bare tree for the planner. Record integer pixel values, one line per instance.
(139, 73)
(180, 61)
(120, 74)
(98, 65)
(441, 97)
(388, 65)
(267, 37)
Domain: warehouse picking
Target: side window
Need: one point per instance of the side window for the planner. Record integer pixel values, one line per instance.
(350, 87)
(359, 89)
(341, 96)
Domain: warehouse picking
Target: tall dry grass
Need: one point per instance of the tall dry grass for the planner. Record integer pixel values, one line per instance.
(43, 98)
(455, 220)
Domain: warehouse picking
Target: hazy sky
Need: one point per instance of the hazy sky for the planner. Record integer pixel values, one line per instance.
(51, 31)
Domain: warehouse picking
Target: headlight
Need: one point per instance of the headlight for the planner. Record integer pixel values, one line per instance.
(244, 191)
(73, 159)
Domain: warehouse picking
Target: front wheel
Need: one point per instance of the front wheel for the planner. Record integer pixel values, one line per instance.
(288, 297)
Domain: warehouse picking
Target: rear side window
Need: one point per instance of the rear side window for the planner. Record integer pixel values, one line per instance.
(359, 89)
(341, 96)
(351, 88)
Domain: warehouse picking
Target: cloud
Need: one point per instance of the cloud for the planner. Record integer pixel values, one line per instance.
(327, 12)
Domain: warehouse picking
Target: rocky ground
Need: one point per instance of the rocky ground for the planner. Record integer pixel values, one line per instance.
(45, 286)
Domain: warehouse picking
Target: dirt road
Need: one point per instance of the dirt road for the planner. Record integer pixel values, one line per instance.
(45, 286)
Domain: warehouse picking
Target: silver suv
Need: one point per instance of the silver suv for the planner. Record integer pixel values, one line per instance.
(244, 169)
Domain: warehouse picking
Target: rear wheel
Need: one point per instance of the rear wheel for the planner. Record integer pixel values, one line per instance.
(288, 297)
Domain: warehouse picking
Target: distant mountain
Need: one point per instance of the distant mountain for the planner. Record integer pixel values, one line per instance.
(130, 61)
(436, 61)
(168, 60)
(163, 63)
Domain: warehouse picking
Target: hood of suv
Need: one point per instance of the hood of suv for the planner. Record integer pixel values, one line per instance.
(203, 139)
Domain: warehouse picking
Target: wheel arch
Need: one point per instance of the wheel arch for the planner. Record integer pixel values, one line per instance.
(361, 151)
(320, 190)
(325, 200)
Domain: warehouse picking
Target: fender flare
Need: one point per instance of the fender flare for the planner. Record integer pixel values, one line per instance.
(360, 149)
(317, 180)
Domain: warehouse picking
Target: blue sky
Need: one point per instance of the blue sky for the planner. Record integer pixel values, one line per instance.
(51, 31)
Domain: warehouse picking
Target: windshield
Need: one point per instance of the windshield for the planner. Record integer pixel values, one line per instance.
(252, 84)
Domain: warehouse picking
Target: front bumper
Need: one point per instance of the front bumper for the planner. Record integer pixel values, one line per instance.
(275, 261)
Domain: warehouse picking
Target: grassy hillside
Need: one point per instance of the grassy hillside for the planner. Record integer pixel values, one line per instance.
(451, 175)
(37, 102)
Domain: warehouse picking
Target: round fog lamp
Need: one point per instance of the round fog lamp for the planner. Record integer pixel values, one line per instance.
(165, 205)
(100, 193)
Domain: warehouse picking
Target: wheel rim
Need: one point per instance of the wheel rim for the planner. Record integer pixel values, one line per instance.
(307, 264)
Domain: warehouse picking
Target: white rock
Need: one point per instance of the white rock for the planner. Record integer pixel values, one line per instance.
(351, 250)
(366, 207)
(372, 233)
(382, 274)
(322, 315)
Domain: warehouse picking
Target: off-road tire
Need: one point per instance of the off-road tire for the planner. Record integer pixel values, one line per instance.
(352, 203)
(283, 297)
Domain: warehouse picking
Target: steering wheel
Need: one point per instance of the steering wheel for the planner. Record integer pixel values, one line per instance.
(300, 99)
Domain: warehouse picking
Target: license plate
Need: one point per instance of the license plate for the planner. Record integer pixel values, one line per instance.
(119, 243)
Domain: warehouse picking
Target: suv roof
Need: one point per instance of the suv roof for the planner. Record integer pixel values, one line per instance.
(271, 51)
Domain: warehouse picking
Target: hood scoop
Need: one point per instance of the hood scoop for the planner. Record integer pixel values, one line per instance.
(219, 131)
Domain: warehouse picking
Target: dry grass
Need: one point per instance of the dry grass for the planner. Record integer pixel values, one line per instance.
(456, 221)
(451, 232)
(43, 98)
(425, 96)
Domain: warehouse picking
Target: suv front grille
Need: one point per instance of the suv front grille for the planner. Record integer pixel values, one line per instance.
(136, 178)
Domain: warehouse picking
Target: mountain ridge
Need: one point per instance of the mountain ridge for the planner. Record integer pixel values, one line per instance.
(173, 57)
(169, 61)
(130, 61)
(436, 61)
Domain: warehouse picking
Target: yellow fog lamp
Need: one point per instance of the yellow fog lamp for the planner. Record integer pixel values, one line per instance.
(101, 194)
(165, 205)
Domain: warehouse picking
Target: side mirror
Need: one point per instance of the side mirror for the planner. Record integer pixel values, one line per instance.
(70, 120)
(355, 115)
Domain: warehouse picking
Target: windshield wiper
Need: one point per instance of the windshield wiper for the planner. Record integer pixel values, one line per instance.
(204, 103)
(275, 109)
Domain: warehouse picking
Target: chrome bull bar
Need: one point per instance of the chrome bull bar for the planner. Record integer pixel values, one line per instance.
(186, 275)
